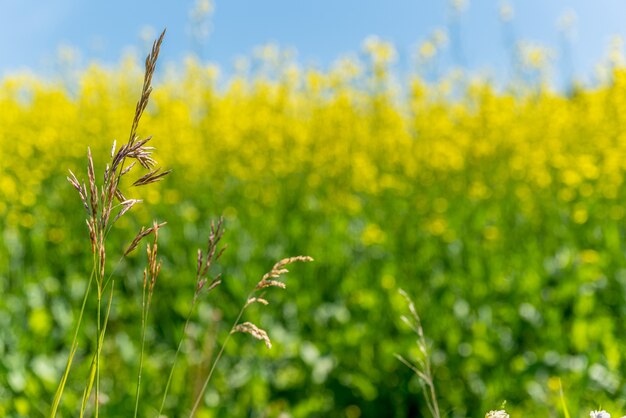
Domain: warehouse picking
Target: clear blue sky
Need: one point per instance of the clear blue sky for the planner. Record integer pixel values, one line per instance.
(321, 30)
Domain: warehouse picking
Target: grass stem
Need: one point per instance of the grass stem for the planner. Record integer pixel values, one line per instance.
(144, 317)
(217, 359)
(180, 344)
(59, 392)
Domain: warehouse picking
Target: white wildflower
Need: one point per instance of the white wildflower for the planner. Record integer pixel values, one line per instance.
(500, 414)
(599, 414)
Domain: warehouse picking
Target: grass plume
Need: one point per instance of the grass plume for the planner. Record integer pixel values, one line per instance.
(105, 203)
(99, 201)
(269, 279)
(204, 285)
(423, 368)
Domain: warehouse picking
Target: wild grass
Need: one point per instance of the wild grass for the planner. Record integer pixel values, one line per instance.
(500, 202)
(424, 371)
(204, 284)
(150, 274)
(423, 368)
(564, 407)
(105, 203)
(257, 294)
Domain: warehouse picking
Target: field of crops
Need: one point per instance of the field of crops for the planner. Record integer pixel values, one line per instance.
(502, 212)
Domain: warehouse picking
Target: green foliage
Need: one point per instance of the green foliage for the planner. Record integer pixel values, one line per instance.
(501, 213)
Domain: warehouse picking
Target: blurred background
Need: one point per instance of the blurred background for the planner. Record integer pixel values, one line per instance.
(479, 36)
(471, 153)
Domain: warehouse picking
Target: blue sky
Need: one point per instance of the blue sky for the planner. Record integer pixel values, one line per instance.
(31, 31)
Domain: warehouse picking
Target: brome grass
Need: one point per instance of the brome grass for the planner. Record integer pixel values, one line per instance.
(105, 203)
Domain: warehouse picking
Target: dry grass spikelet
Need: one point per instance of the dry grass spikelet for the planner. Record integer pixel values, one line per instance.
(144, 232)
(256, 332)
(82, 189)
(101, 206)
(257, 300)
(150, 66)
(93, 189)
(268, 279)
(126, 206)
(206, 259)
(154, 266)
(152, 177)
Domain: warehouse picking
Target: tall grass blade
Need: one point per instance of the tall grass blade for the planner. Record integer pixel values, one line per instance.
(563, 404)
(59, 392)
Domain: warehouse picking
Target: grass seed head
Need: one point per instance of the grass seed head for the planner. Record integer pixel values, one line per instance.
(93, 189)
(205, 259)
(278, 270)
(152, 177)
(82, 190)
(256, 332)
(143, 232)
(257, 300)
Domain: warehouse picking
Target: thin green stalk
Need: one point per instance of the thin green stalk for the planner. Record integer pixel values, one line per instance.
(423, 371)
(74, 347)
(59, 392)
(144, 320)
(268, 280)
(98, 345)
(92, 372)
(180, 344)
(99, 205)
(217, 359)
(563, 403)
